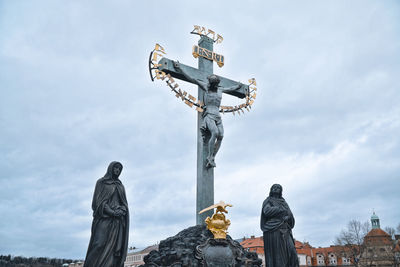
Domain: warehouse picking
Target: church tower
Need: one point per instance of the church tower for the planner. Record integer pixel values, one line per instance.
(375, 221)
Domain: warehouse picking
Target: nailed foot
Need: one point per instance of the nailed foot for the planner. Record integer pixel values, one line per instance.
(210, 162)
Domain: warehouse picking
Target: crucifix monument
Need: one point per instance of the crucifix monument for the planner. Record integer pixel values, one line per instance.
(210, 89)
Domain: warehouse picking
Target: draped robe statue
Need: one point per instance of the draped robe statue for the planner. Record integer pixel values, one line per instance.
(110, 228)
(277, 222)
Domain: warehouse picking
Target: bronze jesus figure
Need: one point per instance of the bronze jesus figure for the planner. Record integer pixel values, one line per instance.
(212, 121)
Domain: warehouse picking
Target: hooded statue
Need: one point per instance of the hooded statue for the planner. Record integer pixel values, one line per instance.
(110, 228)
(277, 222)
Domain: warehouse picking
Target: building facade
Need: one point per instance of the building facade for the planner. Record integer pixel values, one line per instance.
(135, 259)
(379, 247)
(377, 250)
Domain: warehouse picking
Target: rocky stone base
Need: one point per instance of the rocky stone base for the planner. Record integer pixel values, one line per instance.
(183, 250)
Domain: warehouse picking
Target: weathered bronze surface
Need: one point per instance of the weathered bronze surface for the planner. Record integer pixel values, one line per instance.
(277, 222)
(110, 228)
(211, 87)
(195, 247)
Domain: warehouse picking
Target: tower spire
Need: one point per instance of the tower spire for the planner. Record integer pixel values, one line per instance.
(375, 221)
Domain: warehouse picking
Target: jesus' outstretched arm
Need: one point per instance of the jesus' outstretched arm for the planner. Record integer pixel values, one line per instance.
(202, 85)
(232, 88)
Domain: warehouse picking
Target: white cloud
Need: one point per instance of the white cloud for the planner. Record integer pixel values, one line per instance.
(77, 95)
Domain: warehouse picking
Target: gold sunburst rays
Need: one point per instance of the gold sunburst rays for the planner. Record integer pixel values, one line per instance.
(187, 98)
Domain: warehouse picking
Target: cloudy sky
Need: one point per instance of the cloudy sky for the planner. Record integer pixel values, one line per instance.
(76, 94)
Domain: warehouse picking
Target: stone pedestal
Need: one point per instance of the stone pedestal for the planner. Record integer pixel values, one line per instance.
(195, 247)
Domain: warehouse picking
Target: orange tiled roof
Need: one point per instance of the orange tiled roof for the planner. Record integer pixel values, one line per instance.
(253, 242)
(256, 244)
(378, 236)
(377, 232)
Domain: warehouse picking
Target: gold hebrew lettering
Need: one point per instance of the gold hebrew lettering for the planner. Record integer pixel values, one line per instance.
(211, 32)
(184, 95)
(216, 57)
(170, 85)
(219, 59)
(205, 53)
(190, 104)
(252, 81)
(202, 52)
(196, 29)
(199, 109)
(159, 48)
(192, 98)
(160, 75)
(155, 56)
(219, 39)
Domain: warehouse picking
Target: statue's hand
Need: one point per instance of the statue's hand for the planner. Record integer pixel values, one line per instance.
(118, 213)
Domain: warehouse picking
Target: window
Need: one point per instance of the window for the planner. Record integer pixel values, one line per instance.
(320, 259)
(137, 257)
(346, 261)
